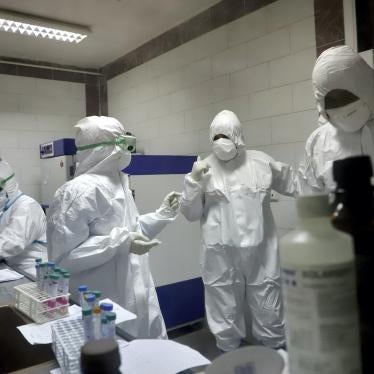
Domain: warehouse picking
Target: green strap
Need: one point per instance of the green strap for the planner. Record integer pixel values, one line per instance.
(4, 181)
(120, 140)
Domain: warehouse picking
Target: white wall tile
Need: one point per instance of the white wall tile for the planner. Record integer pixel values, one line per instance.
(280, 152)
(159, 106)
(285, 12)
(232, 59)
(171, 124)
(183, 55)
(77, 90)
(51, 88)
(31, 175)
(257, 132)
(31, 140)
(249, 80)
(199, 118)
(144, 91)
(53, 122)
(197, 72)
(303, 96)
(171, 82)
(293, 127)
(303, 35)
(8, 102)
(158, 66)
(292, 68)
(9, 139)
(269, 47)
(17, 121)
(32, 191)
(247, 28)
(238, 105)
(270, 102)
(205, 145)
(211, 43)
(17, 85)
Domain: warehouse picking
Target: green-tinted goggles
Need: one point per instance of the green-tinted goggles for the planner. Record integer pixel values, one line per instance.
(126, 142)
(4, 181)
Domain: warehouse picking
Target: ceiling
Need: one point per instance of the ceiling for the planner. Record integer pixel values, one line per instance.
(118, 27)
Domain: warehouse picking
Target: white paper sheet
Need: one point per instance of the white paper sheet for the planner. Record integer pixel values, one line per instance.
(122, 314)
(7, 275)
(42, 333)
(158, 357)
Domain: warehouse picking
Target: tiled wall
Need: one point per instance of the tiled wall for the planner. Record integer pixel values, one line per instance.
(259, 66)
(33, 111)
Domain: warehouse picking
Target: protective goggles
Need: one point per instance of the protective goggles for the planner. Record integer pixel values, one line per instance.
(126, 142)
(3, 182)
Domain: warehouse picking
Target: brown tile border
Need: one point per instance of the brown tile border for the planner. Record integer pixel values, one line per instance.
(329, 23)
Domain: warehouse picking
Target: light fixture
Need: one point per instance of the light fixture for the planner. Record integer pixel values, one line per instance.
(31, 25)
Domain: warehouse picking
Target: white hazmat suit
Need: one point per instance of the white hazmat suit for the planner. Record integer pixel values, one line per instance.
(240, 260)
(93, 224)
(22, 224)
(343, 69)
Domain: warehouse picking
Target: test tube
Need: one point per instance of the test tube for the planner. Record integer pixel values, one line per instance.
(64, 299)
(53, 285)
(37, 271)
(50, 267)
(87, 324)
(42, 272)
(111, 328)
(96, 318)
(82, 289)
(106, 308)
(90, 300)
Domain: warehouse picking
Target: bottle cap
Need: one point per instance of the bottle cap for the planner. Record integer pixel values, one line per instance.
(352, 171)
(100, 356)
(43, 264)
(106, 307)
(313, 206)
(65, 275)
(103, 319)
(38, 260)
(86, 312)
(57, 269)
(89, 297)
(51, 264)
(54, 276)
(82, 288)
(111, 316)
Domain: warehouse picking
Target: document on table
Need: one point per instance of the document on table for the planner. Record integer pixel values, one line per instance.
(36, 333)
(122, 315)
(157, 356)
(7, 275)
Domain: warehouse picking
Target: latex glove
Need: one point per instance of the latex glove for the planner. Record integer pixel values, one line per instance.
(170, 206)
(199, 169)
(140, 244)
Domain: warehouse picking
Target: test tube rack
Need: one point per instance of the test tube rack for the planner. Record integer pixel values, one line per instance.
(38, 305)
(67, 340)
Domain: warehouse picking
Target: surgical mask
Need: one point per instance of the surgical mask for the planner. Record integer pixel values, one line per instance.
(351, 117)
(224, 149)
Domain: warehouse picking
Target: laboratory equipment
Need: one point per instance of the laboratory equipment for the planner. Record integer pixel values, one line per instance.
(58, 166)
(319, 293)
(101, 357)
(179, 287)
(111, 325)
(82, 289)
(89, 299)
(88, 325)
(96, 320)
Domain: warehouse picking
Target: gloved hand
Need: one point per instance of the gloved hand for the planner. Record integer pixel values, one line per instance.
(199, 169)
(170, 206)
(140, 244)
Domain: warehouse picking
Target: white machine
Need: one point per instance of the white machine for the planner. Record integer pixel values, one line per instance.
(58, 166)
(175, 263)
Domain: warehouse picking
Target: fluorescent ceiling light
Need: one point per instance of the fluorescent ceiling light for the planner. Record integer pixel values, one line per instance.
(19, 23)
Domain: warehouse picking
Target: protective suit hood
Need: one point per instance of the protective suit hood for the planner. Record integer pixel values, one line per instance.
(342, 68)
(101, 159)
(227, 123)
(11, 186)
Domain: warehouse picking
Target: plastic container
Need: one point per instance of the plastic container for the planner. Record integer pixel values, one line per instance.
(111, 328)
(106, 308)
(319, 292)
(50, 267)
(88, 327)
(82, 289)
(97, 297)
(52, 290)
(96, 318)
(90, 300)
(104, 326)
(42, 272)
(35, 303)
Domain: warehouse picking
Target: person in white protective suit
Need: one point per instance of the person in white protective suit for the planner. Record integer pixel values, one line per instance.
(344, 90)
(94, 229)
(229, 192)
(22, 224)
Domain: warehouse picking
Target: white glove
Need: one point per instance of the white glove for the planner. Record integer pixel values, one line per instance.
(140, 244)
(199, 169)
(170, 206)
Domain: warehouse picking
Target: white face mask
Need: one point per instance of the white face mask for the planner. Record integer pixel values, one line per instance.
(124, 160)
(224, 149)
(351, 117)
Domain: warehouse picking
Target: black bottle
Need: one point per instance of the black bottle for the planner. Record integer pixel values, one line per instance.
(354, 214)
